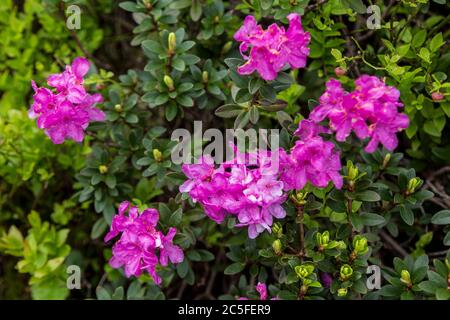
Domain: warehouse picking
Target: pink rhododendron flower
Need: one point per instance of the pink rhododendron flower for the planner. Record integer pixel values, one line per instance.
(312, 159)
(66, 112)
(261, 288)
(272, 49)
(251, 193)
(140, 242)
(370, 111)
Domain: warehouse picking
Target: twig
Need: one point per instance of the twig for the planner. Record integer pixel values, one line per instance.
(315, 5)
(301, 230)
(438, 253)
(394, 244)
(80, 45)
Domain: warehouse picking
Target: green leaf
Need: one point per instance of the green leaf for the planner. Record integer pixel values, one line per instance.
(196, 10)
(436, 42)
(118, 293)
(419, 38)
(407, 215)
(367, 195)
(178, 64)
(111, 181)
(132, 118)
(185, 100)
(228, 111)
(241, 120)
(372, 219)
(102, 293)
(129, 6)
(358, 6)
(442, 217)
(234, 268)
(175, 217)
(98, 228)
(171, 112)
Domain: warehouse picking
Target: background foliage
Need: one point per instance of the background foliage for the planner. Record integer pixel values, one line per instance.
(56, 202)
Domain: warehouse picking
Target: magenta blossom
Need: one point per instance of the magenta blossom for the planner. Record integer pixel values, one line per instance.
(261, 288)
(312, 159)
(139, 243)
(370, 111)
(247, 187)
(272, 49)
(66, 112)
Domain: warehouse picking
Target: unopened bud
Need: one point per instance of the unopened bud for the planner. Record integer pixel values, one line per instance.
(346, 272)
(216, 19)
(340, 71)
(103, 169)
(353, 171)
(322, 239)
(277, 230)
(304, 270)
(148, 4)
(437, 96)
(386, 160)
(413, 184)
(342, 292)
(172, 42)
(405, 277)
(118, 108)
(227, 47)
(169, 82)
(157, 155)
(205, 76)
(360, 245)
(277, 247)
(300, 197)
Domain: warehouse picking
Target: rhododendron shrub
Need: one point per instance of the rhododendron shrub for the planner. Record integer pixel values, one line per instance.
(336, 187)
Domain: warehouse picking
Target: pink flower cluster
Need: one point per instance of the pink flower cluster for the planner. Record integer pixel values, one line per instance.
(252, 187)
(139, 242)
(312, 159)
(252, 193)
(66, 113)
(371, 111)
(261, 288)
(272, 49)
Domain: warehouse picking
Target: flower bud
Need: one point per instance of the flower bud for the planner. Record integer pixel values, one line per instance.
(205, 76)
(300, 197)
(304, 270)
(216, 19)
(353, 171)
(342, 292)
(157, 155)
(227, 47)
(322, 239)
(277, 230)
(405, 277)
(340, 71)
(277, 247)
(437, 96)
(169, 82)
(386, 160)
(172, 42)
(148, 4)
(413, 184)
(346, 272)
(118, 108)
(360, 245)
(103, 169)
